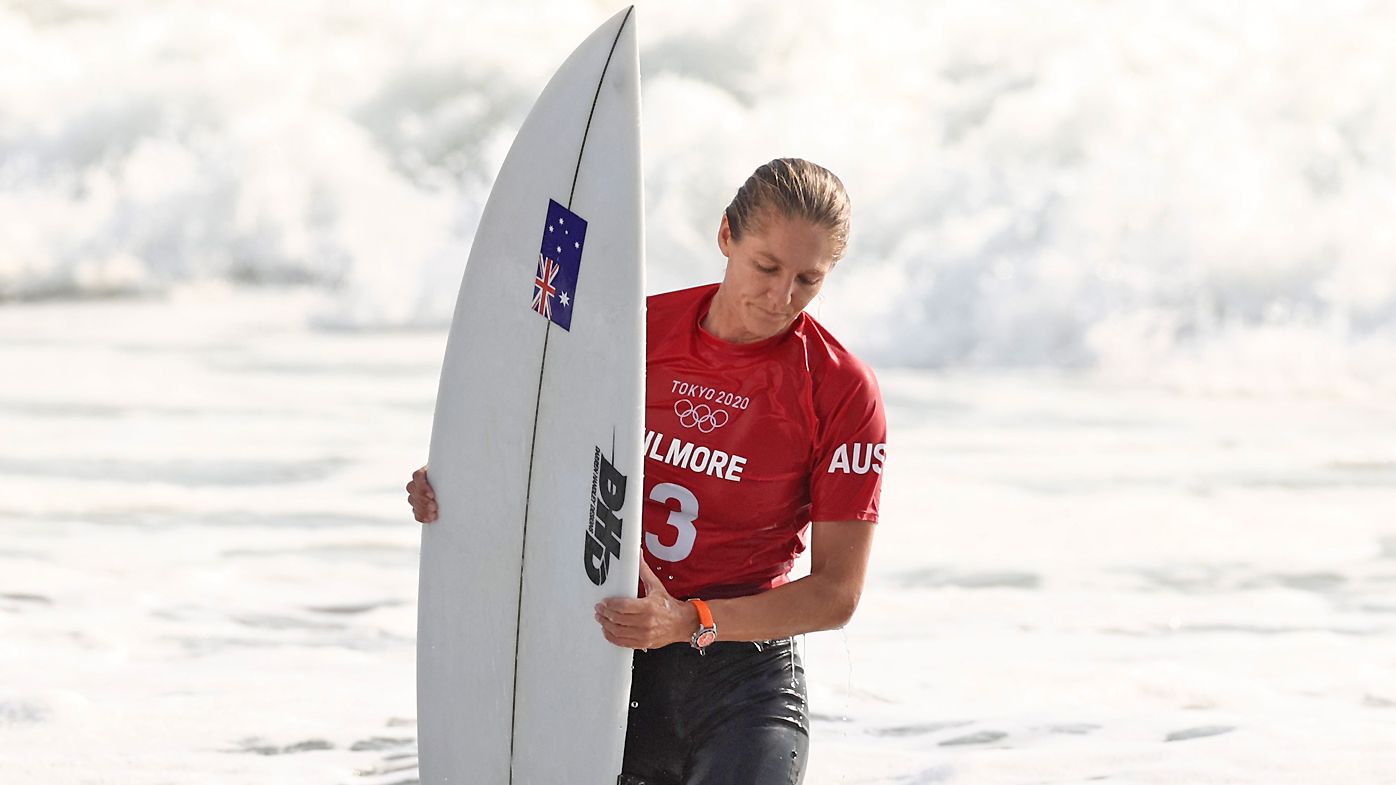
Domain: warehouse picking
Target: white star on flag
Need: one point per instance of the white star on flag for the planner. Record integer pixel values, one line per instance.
(565, 301)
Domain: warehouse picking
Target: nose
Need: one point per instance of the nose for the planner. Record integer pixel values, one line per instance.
(781, 291)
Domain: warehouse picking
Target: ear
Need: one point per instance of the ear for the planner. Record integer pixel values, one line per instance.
(724, 237)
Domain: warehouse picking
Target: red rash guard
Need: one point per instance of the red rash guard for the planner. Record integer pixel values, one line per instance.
(745, 444)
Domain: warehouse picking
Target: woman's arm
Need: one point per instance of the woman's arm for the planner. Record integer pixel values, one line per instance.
(823, 600)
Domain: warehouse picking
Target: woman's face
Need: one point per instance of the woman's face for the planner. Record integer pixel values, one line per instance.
(772, 273)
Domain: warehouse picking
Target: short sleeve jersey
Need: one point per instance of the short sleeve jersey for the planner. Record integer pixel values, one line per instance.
(746, 444)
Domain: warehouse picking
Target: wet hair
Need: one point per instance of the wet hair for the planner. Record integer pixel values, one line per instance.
(793, 188)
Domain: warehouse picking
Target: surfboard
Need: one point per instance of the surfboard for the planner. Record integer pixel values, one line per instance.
(535, 448)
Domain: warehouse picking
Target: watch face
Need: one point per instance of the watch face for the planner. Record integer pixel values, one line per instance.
(706, 637)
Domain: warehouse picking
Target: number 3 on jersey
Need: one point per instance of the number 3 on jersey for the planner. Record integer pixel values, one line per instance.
(681, 519)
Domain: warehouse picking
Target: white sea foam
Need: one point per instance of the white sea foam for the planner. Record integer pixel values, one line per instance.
(1194, 193)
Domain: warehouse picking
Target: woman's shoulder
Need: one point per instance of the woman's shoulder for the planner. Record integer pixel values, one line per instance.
(844, 392)
(832, 365)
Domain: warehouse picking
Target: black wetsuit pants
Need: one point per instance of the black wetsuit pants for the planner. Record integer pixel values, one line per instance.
(734, 716)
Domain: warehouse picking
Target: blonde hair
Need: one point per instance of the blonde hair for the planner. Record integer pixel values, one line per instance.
(794, 188)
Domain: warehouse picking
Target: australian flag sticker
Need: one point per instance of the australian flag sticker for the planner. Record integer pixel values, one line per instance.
(559, 261)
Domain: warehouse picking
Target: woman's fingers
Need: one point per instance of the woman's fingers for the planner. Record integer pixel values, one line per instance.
(419, 477)
(629, 636)
(625, 643)
(421, 497)
(636, 623)
(623, 607)
(424, 512)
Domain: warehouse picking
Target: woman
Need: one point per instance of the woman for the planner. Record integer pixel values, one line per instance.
(793, 433)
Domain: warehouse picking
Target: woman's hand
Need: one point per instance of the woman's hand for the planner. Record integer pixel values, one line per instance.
(421, 497)
(655, 620)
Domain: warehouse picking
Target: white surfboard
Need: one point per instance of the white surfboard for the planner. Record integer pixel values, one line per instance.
(535, 448)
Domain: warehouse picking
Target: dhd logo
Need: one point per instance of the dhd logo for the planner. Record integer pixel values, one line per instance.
(604, 527)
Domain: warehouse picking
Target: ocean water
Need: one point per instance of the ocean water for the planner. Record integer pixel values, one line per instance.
(208, 567)
(1126, 271)
(1192, 193)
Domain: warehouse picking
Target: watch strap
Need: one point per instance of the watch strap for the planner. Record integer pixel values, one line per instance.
(705, 614)
(706, 633)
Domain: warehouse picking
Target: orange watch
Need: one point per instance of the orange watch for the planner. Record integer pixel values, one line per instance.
(707, 629)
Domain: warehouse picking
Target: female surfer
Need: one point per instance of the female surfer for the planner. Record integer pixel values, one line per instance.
(792, 433)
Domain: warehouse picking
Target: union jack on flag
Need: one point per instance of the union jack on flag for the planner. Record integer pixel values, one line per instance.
(559, 262)
(543, 288)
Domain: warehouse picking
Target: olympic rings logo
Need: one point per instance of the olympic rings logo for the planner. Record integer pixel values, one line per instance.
(702, 416)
